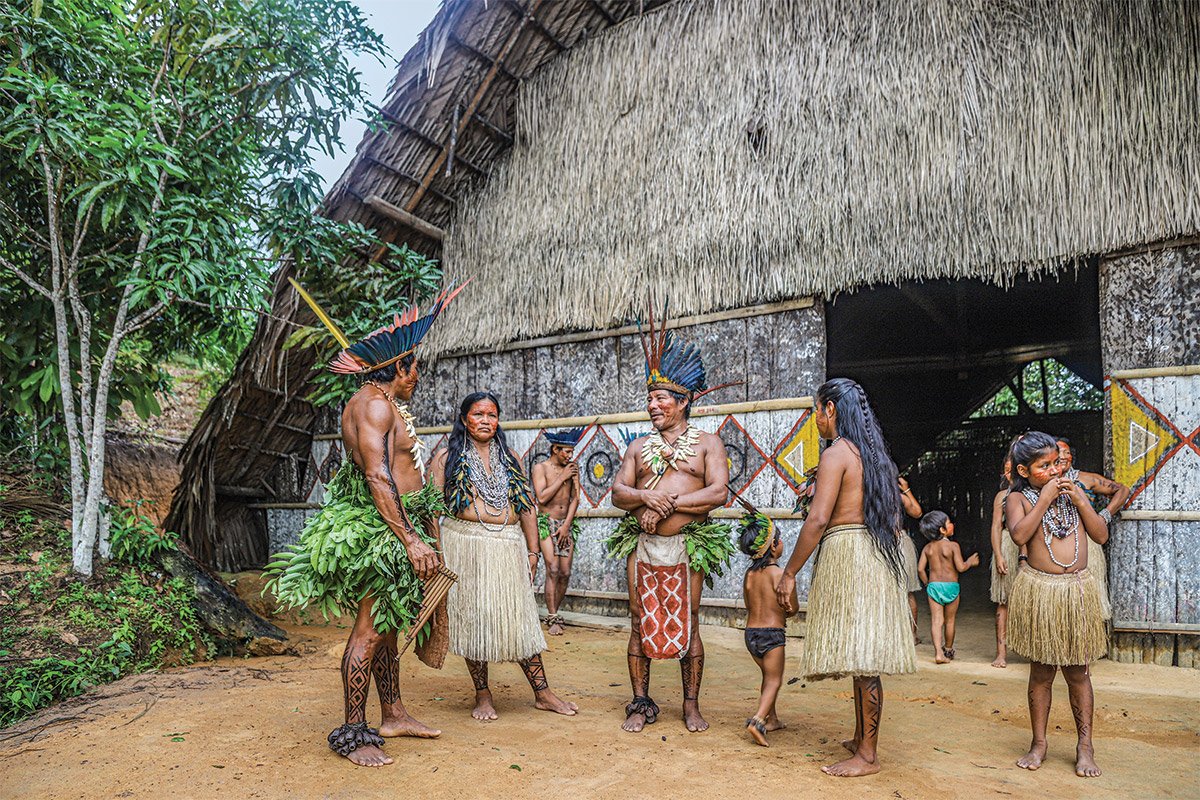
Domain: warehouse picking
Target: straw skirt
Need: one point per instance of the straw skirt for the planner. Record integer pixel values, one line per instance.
(908, 551)
(1002, 584)
(493, 614)
(1055, 619)
(1098, 566)
(858, 618)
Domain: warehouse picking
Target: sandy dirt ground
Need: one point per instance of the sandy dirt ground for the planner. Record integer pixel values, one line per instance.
(256, 728)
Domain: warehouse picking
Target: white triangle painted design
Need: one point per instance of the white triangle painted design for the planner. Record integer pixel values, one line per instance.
(1141, 442)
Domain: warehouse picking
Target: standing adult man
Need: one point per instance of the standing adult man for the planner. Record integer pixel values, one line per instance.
(371, 544)
(556, 484)
(669, 481)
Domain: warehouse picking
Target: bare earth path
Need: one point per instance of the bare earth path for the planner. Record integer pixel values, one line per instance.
(256, 728)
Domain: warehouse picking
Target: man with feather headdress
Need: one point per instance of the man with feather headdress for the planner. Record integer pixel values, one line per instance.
(669, 482)
(370, 547)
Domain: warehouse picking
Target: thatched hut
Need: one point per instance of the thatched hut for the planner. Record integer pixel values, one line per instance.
(927, 196)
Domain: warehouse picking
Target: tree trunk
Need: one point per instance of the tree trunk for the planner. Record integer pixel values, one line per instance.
(229, 619)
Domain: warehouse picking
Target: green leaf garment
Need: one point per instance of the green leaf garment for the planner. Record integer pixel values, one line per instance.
(347, 552)
(709, 545)
(543, 521)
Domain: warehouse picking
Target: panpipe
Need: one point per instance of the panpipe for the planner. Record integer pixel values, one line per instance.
(436, 589)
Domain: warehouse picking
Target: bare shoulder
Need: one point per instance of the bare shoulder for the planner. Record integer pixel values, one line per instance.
(539, 468)
(711, 440)
(439, 458)
(370, 407)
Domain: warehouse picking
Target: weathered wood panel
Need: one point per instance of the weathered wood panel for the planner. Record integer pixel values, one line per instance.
(1150, 317)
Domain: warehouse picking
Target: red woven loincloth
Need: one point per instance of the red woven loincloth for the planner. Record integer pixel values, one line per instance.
(663, 591)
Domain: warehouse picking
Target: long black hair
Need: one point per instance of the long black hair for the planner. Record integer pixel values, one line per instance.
(458, 440)
(1023, 453)
(856, 423)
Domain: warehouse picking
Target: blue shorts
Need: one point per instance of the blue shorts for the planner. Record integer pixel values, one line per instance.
(942, 592)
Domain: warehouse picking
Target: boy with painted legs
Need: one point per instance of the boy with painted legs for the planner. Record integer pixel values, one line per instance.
(940, 565)
(1054, 613)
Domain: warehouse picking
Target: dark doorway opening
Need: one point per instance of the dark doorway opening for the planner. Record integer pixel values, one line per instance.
(933, 356)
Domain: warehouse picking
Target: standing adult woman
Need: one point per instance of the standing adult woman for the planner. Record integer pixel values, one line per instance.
(491, 541)
(858, 622)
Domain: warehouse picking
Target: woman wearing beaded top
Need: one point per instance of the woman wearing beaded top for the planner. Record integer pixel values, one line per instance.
(1054, 611)
(491, 541)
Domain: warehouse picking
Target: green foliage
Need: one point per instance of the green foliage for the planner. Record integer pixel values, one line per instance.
(1065, 392)
(709, 546)
(175, 143)
(135, 539)
(347, 551)
(148, 625)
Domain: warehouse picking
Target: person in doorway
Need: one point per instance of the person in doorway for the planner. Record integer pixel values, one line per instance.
(941, 564)
(858, 621)
(668, 483)
(912, 509)
(1107, 497)
(489, 538)
(1054, 616)
(1005, 561)
(556, 483)
(370, 547)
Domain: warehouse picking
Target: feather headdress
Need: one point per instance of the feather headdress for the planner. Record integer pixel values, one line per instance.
(567, 438)
(673, 364)
(759, 523)
(388, 344)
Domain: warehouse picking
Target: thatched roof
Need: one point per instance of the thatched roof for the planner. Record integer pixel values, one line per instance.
(576, 156)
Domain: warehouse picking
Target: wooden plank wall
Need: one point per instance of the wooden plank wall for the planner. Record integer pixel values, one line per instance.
(1150, 317)
(776, 355)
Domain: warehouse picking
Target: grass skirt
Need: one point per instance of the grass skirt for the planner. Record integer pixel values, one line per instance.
(1098, 566)
(1056, 619)
(493, 615)
(908, 551)
(1002, 584)
(346, 552)
(858, 617)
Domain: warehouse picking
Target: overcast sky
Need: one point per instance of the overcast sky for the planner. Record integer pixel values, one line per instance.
(400, 22)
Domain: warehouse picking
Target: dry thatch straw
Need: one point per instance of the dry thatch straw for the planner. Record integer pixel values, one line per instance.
(731, 152)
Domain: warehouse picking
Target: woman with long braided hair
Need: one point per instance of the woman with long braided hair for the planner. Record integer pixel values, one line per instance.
(490, 539)
(858, 621)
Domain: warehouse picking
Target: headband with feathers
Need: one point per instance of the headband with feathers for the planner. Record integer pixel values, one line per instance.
(672, 364)
(388, 344)
(568, 438)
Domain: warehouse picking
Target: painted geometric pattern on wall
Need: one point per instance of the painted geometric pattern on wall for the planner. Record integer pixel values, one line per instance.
(768, 452)
(1156, 440)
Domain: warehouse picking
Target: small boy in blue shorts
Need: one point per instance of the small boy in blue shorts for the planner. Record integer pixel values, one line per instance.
(940, 565)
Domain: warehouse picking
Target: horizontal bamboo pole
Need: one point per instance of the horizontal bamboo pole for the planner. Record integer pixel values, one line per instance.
(608, 512)
(1156, 372)
(745, 312)
(778, 404)
(1140, 626)
(1162, 515)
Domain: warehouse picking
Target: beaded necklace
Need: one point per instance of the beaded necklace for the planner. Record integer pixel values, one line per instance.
(1060, 521)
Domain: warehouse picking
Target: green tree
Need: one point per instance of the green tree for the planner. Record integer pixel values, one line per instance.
(155, 162)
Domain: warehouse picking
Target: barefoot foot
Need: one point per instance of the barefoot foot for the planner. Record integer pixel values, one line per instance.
(1085, 763)
(852, 767)
(484, 711)
(758, 731)
(369, 756)
(851, 745)
(547, 700)
(1000, 662)
(1033, 759)
(407, 726)
(634, 723)
(775, 724)
(691, 717)
(556, 629)
(938, 658)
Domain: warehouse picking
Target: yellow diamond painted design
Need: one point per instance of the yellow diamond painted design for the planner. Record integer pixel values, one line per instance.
(799, 450)
(1140, 442)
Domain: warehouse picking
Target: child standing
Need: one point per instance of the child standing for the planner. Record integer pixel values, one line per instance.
(1054, 611)
(940, 565)
(765, 620)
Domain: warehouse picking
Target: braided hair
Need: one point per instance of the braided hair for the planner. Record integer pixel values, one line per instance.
(856, 423)
(457, 490)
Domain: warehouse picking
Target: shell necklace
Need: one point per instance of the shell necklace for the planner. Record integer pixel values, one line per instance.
(492, 487)
(661, 456)
(410, 425)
